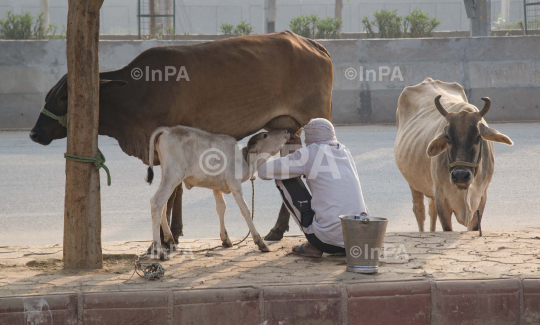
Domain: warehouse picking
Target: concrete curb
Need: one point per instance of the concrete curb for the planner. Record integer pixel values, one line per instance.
(486, 301)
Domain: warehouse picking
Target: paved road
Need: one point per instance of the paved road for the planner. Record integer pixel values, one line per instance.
(32, 181)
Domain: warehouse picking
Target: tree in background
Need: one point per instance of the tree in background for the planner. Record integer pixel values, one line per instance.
(390, 25)
(338, 13)
(417, 24)
(20, 27)
(314, 27)
(387, 22)
(241, 29)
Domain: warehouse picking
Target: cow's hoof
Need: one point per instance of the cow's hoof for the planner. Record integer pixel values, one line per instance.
(163, 256)
(163, 244)
(274, 235)
(263, 248)
(172, 247)
(227, 243)
(154, 254)
(150, 249)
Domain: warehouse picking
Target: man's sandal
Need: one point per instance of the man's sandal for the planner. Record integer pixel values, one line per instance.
(302, 252)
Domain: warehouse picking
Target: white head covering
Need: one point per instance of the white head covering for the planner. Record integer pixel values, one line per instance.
(320, 131)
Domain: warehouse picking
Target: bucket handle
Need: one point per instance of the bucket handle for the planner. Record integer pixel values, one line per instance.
(363, 217)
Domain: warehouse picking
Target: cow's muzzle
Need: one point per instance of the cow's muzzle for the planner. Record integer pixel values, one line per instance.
(461, 178)
(38, 138)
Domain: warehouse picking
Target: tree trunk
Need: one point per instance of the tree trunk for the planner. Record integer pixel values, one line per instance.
(505, 11)
(44, 8)
(82, 214)
(269, 16)
(339, 9)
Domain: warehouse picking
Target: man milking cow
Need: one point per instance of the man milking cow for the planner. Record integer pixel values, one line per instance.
(331, 175)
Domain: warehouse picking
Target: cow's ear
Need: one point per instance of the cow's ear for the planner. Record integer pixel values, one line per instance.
(252, 156)
(105, 85)
(490, 134)
(437, 145)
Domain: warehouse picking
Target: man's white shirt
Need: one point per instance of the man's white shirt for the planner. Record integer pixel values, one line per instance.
(333, 181)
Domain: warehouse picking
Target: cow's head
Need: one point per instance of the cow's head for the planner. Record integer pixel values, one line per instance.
(47, 128)
(462, 139)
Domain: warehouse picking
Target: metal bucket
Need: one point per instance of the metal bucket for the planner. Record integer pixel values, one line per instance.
(363, 237)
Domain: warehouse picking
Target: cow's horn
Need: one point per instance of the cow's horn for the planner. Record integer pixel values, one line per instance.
(487, 105)
(439, 106)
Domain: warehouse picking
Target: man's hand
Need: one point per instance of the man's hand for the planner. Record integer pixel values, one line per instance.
(294, 143)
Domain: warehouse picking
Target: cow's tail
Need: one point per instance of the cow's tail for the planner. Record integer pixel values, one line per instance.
(153, 139)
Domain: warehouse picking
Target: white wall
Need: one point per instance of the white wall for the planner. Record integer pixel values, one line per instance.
(205, 16)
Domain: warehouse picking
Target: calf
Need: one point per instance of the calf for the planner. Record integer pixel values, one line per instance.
(212, 161)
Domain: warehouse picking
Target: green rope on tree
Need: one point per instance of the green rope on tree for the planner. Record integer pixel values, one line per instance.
(98, 160)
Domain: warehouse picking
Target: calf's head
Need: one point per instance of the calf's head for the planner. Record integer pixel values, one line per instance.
(48, 129)
(267, 143)
(463, 140)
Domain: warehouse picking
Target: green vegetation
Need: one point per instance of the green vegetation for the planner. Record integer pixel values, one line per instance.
(16, 26)
(20, 27)
(170, 31)
(226, 29)
(418, 24)
(390, 25)
(314, 27)
(501, 24)
(241, 29)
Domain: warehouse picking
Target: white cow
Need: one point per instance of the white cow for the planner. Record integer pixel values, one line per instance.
(212, 161)
(444, 149)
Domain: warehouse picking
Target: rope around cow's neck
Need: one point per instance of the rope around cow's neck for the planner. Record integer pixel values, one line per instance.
(252, 216)
(61, 119)
(476, 165)
(98, 160)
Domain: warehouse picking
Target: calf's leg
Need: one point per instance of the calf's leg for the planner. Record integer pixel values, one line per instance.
(158, 205)
(239, 198)
(174, 217)
(221, 206)
(170, 204)
(418, 208)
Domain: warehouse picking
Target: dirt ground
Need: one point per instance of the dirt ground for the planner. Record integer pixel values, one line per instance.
(454, 255)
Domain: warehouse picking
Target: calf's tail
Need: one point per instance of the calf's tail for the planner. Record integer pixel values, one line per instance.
(153, 140)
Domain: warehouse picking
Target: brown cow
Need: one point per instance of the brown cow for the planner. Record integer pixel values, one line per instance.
(236, 87)
(444, 149)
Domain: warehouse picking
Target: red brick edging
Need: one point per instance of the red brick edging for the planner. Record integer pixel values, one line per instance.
(498, 301)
